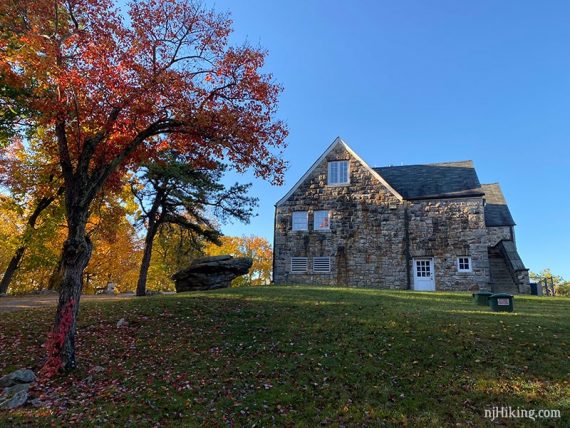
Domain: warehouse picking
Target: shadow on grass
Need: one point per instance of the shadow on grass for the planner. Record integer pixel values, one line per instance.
(307, 356)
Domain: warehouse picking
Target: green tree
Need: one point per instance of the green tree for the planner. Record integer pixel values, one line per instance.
(561, 287)
(172, 191)
(173, 248)
(548, 275)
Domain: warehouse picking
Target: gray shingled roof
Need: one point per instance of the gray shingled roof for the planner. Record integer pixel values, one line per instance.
(431, 181)
(496, 210)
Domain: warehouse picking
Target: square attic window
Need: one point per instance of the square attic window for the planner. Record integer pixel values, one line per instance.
(338, 172)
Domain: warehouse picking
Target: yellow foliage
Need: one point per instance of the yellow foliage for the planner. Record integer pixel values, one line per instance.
(116, 247)
(256, 247)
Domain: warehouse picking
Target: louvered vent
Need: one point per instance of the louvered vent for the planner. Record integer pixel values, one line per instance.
(299, 264)
(322, 264)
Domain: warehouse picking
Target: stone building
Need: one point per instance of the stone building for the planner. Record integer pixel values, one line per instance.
(421, 227)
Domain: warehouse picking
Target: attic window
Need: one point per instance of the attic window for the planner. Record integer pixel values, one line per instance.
(338, 172)
(464, 264)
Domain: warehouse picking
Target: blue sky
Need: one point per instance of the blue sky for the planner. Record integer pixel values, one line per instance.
(406, 82)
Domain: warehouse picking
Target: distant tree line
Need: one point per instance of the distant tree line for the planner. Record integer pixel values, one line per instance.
(561, 286)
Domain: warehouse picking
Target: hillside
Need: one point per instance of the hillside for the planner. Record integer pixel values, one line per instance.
(302, 356)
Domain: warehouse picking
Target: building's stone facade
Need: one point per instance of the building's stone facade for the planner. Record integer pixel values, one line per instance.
(375, 234)
(445, 230)
(366, 238)
(498, 233)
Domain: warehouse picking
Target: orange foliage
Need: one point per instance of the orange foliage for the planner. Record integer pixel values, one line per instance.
(110, 90)
(256, 247)
(114, 88)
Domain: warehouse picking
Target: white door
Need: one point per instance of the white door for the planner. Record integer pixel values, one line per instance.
(424, 278)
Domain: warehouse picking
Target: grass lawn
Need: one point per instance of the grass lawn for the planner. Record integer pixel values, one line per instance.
(299, 356)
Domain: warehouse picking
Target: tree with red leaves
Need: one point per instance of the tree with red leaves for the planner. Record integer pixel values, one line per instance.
(116, 88)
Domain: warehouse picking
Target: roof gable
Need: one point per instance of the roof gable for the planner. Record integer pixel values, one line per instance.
(335, 143)
(428, 181)
(436, 180)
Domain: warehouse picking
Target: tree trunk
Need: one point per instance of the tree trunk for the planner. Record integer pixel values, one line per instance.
(11, 270)
(154, 221)
(145, 264)
(75, 256)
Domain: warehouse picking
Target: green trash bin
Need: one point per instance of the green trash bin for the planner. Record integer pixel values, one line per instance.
(481, 298)
(501, 302)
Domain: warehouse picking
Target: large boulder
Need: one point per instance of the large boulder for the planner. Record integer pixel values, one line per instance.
(208, 273)
(15, 388)
(9, 401)
(18, 376)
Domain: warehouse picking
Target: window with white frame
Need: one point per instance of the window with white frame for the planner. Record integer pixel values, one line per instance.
(321, 264)
(300, 220)
(338, 172)
(464, 264)
(299, 264)
(322, 220)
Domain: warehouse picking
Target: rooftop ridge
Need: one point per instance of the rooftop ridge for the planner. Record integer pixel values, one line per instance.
(461, 162)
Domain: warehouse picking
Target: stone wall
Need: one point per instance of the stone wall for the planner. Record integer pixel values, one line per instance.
(445, 230)
(366, 239)
(497, 234)
(368, 243)
(523, 281)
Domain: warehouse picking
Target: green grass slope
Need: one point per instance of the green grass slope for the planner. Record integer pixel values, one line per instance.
(300, 356)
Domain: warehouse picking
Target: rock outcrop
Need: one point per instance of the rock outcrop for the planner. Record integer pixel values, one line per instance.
(209, 273)
(15, 388)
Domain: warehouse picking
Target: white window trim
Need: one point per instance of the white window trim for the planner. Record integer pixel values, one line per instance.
(306, 259)
(306, 221)
(344, 183)
(321, 229)
(470, 264)
(322, 271)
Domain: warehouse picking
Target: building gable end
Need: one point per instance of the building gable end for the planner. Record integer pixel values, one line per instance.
(335, 143)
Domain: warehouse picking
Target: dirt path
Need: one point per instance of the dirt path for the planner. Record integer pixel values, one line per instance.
(18, 303)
